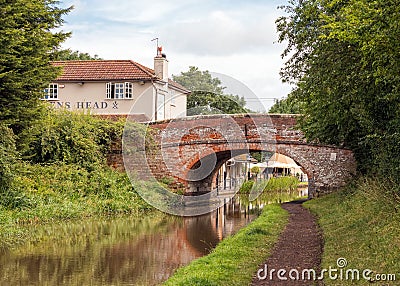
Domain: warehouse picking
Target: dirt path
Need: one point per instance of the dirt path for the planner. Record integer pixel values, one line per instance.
(299, 247)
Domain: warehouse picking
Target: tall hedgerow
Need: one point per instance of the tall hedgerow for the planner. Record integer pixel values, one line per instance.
(72, 138)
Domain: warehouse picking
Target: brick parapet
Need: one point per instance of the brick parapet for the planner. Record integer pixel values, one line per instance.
(182, 142)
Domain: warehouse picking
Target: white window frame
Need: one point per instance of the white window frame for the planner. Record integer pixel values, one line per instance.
(128, 90)
(51, 92)
(109, 94)
(119, 90)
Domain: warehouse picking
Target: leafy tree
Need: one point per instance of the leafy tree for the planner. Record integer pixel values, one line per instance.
(69, 55)
(344, 60)
(207, 95)
(255, 170)
(27, 41)
(261, 156)
(288, 105)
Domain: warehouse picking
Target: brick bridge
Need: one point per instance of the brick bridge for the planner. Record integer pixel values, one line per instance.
(192, 150)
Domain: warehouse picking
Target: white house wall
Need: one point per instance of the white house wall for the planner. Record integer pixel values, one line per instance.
(91, 96)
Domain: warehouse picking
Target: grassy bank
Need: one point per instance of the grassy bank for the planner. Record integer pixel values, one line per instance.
(362, 225)
(273, 185)
(57, 170)
(44, 193)
(235, 260)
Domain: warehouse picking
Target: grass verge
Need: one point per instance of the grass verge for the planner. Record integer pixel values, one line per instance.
(361, 224)
(54, 192)
(235, 260)
(272, 185)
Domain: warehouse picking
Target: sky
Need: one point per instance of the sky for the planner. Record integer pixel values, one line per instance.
(234, 40)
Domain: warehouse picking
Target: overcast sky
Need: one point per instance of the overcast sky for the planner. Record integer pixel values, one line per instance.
(237, 39)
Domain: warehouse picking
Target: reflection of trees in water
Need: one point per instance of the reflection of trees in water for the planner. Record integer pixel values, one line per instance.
(204, 232)
(120, 250)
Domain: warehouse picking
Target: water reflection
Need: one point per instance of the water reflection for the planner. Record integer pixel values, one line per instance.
(119, 251)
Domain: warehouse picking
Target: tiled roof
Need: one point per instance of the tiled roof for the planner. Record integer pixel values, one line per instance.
(99, 70)
(103, 70)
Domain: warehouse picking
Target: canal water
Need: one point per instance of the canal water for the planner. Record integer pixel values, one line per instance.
(120, 250)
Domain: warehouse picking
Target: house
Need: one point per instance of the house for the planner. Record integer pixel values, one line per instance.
(118, 87)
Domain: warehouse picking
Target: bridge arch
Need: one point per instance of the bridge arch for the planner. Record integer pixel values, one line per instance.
(223, 155)
(188, 143)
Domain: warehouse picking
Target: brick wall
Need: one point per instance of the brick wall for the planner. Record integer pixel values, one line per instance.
(192, 149)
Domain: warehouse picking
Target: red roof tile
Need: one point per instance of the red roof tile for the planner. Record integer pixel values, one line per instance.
(103, 70)
(99, 70)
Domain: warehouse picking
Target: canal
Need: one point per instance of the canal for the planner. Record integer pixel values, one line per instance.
(120, 250)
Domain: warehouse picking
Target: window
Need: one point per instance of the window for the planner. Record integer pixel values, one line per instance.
(51, 93)
(160, 107)
(119, 90)
(128, 90)
(173, 103)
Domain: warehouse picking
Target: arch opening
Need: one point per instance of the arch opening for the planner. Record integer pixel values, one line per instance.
(234, 167)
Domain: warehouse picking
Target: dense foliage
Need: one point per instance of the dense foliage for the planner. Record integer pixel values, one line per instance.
(67, 156)
(72, 138)
(280, 184)
(28, 38)
(288, 105)
(7, 158)
(208, 95)
(261, 156)
(343, 57)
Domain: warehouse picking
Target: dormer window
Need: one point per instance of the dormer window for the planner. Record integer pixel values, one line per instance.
(119, 90)
(51, 93)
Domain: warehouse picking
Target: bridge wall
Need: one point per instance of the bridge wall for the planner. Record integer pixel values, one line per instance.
(192, 149)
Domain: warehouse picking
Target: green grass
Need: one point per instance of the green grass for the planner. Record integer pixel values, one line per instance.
(362, 225)
(235, 260)
(272, 185)
(46, 193)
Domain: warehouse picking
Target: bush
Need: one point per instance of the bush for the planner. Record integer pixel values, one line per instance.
(7, 157)
(282, 184)
(255, 170)
(272, 185)
(10, 197)
(72, 138)
(246, 187)
(384, 158)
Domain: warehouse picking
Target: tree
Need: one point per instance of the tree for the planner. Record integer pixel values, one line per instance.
(208, 95)
(288, 105)
(255, 170)
(28, 40)
(69, 55)
(261, 156)
(344, 61)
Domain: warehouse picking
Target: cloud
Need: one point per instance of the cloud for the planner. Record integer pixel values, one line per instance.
(231, 37)
(223, 32)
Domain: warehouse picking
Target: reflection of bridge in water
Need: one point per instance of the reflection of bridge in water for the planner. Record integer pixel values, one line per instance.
(204, 232)
(119, 251)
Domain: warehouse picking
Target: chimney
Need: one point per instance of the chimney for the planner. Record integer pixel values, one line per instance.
(161, 65)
